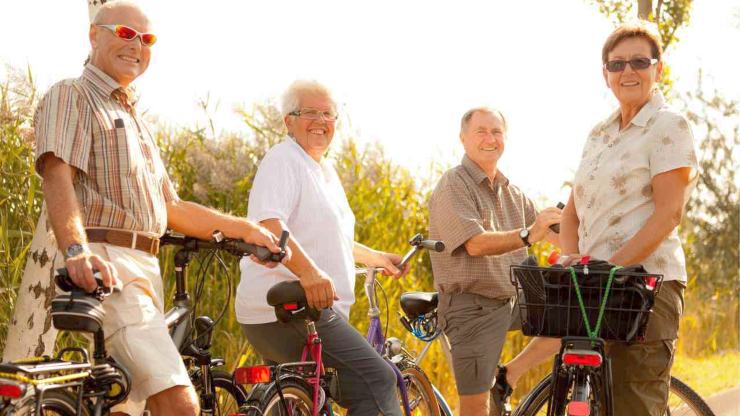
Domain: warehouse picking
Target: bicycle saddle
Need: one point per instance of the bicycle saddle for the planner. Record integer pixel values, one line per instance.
(418, 303)
(76, 310)
(289, 300)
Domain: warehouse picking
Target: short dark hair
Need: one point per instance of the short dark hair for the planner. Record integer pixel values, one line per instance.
(632, 30)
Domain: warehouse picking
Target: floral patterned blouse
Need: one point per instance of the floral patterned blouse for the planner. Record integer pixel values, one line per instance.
(612, 187)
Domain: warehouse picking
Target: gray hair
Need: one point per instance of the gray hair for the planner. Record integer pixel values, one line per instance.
(301, 88)
(469, 114)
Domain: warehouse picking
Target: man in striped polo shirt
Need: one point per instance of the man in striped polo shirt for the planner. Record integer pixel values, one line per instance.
(108, 198)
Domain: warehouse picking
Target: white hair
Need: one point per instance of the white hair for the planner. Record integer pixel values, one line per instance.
(301, 88)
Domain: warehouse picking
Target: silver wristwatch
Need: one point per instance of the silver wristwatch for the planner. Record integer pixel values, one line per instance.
(524, 235)
(74, 249)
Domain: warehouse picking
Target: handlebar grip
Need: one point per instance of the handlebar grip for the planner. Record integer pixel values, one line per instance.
(556, 227)
(435, 245)
(262, 253)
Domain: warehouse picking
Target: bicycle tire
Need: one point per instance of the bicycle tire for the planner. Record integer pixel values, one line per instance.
(297, 394)
(694, 404)
(229, 396)
(422, 400)
(54, 403)
(535, 404)
(444, 408)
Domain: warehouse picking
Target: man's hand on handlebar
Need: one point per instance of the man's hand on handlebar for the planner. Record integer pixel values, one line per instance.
(261, 236)
(80, 269)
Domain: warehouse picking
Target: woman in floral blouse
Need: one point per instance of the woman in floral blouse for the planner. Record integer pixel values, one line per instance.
(637, 169)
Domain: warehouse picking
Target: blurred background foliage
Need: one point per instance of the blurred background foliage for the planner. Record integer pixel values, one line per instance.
(389, 202)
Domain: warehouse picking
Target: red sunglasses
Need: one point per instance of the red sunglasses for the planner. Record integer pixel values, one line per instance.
(125, 32)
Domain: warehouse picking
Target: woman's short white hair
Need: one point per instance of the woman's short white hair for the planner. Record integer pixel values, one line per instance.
(301, 88)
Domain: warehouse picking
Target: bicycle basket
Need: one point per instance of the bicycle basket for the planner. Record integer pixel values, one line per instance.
(549, 303)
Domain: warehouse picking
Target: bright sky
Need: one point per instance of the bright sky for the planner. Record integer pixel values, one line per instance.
(404, 70)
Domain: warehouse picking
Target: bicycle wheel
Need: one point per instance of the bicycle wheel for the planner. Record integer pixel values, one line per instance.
(682, 401)
(54, 403)
(227, 396)
(422, 401)
(298, 400)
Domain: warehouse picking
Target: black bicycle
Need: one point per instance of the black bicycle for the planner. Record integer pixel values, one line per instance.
(66, 387)
(587, 305)
(62, 385)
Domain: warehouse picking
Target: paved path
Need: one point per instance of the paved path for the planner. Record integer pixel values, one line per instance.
(726, 403)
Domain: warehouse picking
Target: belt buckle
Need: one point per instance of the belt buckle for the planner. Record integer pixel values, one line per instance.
(154, 246)
(133, 239)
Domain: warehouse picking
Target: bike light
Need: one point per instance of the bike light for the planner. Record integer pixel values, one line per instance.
(253, 375)
(578, 409)
(650, 282)
(13, 391)
(587, 358)
(290, 306)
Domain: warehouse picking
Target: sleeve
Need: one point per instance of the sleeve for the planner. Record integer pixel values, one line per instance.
(62, 127)
(673, 147)
(275, 189)
(168, 189)
(530, 211)
(453, 213)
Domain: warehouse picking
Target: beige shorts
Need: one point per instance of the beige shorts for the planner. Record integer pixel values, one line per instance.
(136, 334)
(476, 327)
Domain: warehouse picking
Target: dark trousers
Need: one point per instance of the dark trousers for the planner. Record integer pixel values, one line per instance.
(366, 381)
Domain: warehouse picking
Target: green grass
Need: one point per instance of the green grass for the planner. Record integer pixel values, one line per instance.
(709, 375)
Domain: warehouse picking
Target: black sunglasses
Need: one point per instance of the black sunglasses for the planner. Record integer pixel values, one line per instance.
(618, 65)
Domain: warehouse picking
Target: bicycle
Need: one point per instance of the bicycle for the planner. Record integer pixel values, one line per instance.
(64, 386)
(192, 337)
(563, 303)
(306, 387)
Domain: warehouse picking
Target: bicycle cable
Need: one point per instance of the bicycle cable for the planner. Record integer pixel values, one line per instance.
(387, 308)
(201, 284)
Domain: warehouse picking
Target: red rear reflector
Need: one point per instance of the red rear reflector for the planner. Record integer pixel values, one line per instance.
(290, 306)
(252, 375)
(578, 409)
(590, 360)
(14, 391)
(650, 282)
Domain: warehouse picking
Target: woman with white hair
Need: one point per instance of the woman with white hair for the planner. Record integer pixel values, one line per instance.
(297, 189)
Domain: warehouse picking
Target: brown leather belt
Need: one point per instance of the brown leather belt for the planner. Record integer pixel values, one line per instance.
(121, 238)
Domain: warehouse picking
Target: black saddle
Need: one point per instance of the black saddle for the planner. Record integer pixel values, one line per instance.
(289, 301)
(418, 303)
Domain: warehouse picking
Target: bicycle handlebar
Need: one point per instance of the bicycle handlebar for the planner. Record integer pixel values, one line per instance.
(233, 246)
(417, 242)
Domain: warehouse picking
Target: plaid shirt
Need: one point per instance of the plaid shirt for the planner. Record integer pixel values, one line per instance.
(91, 124)
(464, 204)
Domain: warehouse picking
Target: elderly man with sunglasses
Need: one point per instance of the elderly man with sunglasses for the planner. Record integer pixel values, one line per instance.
(108, 198)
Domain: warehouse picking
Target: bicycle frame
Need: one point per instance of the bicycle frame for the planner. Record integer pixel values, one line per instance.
(376, 338)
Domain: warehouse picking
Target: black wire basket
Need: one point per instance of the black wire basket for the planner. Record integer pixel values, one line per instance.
(549, 304)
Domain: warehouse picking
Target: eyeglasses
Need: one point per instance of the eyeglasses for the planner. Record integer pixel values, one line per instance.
(637, 64)
(314, 114)
(125, 32)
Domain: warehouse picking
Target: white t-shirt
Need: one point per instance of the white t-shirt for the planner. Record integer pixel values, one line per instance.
(613, 192)
(308, 197)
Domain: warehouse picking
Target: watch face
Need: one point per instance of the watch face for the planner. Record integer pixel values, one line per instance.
(524, 233)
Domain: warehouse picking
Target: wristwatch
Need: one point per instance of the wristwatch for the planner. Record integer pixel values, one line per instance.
(73, 250)
(524, 235)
